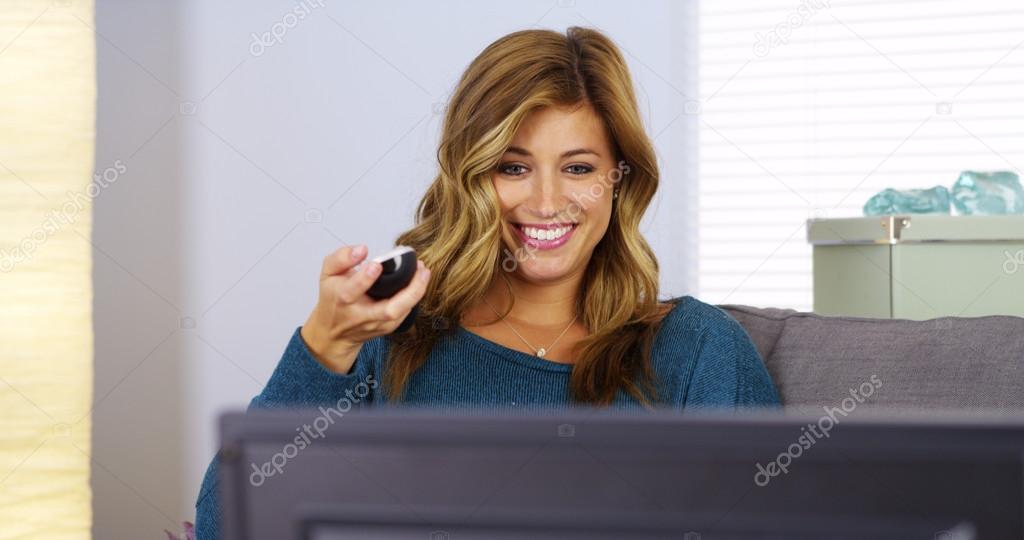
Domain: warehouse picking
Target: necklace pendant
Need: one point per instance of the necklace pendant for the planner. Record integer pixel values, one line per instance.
(541, 352)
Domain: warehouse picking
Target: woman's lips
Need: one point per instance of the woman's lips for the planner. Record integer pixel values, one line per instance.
(544, 244)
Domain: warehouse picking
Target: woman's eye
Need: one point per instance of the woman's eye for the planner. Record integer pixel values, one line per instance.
(580, 170)
(514, 169)
(511, 170)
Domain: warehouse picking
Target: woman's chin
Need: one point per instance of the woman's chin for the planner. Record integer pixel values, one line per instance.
(545, 269)
(540, 265)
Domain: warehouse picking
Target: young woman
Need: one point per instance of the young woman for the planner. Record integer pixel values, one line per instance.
(543, 292)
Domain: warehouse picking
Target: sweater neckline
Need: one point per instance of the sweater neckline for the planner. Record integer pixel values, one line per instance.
(527, 359)
(517, 356)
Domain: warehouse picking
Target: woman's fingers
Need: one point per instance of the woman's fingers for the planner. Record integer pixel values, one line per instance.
(342, 260)
(352, 288)
(395, 309)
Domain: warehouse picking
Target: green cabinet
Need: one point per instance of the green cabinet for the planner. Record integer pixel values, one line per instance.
(918, 266)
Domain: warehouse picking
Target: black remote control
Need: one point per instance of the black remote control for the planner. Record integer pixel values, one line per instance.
(398, 266)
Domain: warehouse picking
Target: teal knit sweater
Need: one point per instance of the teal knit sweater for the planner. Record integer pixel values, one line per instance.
(701, 358)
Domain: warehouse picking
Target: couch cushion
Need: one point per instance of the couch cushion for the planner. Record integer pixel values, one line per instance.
(949, 362)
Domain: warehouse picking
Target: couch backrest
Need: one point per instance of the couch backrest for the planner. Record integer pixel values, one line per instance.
(949, 362)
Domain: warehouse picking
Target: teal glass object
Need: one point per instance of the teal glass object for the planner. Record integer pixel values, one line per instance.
(910, 201)
(988, 193)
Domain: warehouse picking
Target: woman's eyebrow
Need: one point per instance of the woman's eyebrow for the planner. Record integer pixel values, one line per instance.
(577, 151)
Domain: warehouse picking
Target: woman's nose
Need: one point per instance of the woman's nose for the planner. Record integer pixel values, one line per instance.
(546, 193)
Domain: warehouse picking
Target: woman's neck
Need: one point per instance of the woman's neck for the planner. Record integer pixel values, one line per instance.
(541, 305)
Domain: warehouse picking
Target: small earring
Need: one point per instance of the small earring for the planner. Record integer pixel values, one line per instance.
(615, 194)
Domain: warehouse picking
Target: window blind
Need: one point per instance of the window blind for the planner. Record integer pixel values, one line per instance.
(808, 108)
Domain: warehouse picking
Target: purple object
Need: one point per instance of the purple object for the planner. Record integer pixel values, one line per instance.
(190, 532)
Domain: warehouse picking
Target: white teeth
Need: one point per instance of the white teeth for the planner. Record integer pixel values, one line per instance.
(546, 234)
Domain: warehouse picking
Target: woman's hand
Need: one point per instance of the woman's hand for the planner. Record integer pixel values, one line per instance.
(345, 317)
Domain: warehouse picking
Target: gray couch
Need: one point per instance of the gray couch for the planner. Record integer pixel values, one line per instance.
(944, 363)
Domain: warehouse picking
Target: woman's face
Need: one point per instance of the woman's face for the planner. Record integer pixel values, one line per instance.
(554, 184)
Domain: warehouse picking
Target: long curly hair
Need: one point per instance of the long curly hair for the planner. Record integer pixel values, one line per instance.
(457, 231)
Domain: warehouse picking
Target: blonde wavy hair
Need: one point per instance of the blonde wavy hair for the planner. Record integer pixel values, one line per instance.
(457, 230)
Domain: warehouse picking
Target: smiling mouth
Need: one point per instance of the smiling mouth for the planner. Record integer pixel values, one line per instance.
(545, 236)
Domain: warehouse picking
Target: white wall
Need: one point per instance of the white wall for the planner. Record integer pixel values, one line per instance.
(244, 170)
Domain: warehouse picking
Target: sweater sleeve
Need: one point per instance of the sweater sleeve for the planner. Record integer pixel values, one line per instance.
(754, 385)
(729, 371)
(298, 381)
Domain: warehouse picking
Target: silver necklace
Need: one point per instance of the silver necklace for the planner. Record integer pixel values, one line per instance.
(541, 351)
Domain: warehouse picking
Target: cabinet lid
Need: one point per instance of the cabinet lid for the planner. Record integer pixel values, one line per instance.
(903, 229)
